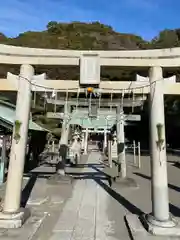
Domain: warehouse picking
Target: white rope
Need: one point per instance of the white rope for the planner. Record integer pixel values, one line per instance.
(45, 99)
(66, 100)
(133, 100)
(34, 99)
(55, 95)
(129, 94)
(99, 101)
(77, 99)
(60, 89)
(66, 107)
(122, 98)
(111, 100)
(90, 98)
(90, 102)
(142, 98)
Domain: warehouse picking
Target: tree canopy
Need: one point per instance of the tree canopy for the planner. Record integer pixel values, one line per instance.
(88, 36)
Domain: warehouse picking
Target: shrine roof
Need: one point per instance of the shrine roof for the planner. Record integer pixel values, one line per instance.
(7, 117)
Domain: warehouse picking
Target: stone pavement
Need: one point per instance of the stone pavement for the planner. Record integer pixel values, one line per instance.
(96, 211)
(89, 208)
(42, 199)
(86, 214)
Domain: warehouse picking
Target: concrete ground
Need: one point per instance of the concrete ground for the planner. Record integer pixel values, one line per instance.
(88, 209)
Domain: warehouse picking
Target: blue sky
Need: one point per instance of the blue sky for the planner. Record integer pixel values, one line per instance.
(142, 17)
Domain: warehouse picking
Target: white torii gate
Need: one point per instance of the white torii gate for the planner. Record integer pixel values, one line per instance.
(160, 222)
(160, 202)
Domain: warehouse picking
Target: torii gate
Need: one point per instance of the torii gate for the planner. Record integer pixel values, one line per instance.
(159, 222)
(105, 114)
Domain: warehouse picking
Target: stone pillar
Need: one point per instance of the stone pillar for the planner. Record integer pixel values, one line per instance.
(86, 142)
(65, 127)
(19, 142)
(3, 159)
(110, 152)
(82, 141)
(160, 200)
(105, 140)
(64, 142)
(120, 141)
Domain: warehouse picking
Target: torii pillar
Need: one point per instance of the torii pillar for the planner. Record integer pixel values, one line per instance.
(12, 216)
(60, 169)
(121, 141)
(3, 159)
(105, 140)
(86, 141)
(159, 222)
(160, 216)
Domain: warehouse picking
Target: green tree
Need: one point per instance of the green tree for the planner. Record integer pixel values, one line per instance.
(166, 39)
(53, 27)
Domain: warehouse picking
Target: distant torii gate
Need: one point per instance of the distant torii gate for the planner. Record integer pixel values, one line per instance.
(105, 116)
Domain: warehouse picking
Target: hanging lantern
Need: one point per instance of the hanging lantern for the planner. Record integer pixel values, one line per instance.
(90, 90)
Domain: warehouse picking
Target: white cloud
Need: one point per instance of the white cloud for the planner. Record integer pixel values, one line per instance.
(17, 15)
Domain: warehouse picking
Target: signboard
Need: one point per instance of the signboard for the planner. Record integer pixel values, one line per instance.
(55, 115)
(132, 117)
(89, 70)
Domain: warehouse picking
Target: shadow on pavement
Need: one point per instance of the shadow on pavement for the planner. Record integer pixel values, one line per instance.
(96, 174)
(173, 209)
(119, 198)
(149, 178)
(177, 165)
(28, 189)
(89, 165)
(40, 174)
(89, 177)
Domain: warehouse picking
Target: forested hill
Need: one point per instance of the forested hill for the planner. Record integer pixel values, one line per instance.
(96, 36)
(86, 36)
(77, 36)
(89, 36)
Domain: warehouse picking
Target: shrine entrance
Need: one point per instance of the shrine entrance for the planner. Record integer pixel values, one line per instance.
(99, 120)
(90, 84)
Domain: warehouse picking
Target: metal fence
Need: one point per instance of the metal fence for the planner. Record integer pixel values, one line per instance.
(133, 152)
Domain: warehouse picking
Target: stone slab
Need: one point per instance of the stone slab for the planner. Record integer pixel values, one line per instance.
(14, 220)
(124, 183)
(58, 179)
(174, 230)
(64, 235)
(138, 232)
(27, 231)
(55, 199)
(37, 201)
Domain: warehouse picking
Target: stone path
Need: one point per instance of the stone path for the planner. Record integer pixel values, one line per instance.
(88, 214)
(96, 212)
(89, 209)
